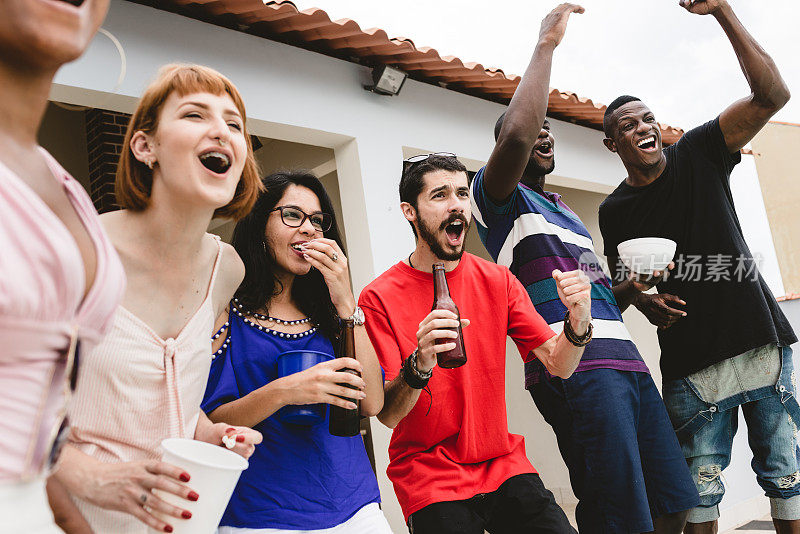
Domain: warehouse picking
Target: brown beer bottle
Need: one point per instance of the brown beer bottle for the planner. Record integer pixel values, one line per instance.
(442, 301)
(341, 421)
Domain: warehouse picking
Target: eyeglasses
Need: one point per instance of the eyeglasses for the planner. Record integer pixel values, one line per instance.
(422, 157)
(295, 217)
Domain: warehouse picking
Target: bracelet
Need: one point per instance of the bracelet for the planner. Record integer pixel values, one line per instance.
(572, 337)
(411, 375)
(415, 368)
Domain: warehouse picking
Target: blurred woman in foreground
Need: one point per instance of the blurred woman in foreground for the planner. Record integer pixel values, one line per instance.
(60, 278)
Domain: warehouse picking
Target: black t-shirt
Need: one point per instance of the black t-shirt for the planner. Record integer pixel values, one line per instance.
(729, 307)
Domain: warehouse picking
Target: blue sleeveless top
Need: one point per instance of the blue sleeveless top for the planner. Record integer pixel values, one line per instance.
(300, 477)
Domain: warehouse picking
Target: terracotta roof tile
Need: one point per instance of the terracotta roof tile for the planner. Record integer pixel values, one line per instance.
(785, 123)
(313, 29)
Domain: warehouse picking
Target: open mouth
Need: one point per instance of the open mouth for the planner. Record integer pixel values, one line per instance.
(455, 231)
(216, 162)
(545, 149)
(75, 3)
(648, 144)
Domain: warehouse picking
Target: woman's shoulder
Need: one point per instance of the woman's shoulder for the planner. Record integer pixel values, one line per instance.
(231, 266)
(230, 272)
(117, 226)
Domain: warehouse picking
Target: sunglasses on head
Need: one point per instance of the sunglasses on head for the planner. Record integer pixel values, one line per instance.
(408, 162)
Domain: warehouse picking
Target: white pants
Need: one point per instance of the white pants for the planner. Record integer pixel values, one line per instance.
(24, 508)
(368, 520)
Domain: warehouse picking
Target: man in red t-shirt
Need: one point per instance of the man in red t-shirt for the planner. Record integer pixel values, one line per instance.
(454, 465)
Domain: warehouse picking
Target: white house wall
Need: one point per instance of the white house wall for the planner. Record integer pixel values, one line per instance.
(308, 93)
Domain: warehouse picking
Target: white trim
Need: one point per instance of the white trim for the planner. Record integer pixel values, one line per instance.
(532, 224)
(601, 329)
(476, 212)
(324, 169)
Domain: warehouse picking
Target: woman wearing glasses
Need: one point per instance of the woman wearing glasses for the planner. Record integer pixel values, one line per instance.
(295, 290)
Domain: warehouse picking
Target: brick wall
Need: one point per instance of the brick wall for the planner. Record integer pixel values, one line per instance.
(105, 132)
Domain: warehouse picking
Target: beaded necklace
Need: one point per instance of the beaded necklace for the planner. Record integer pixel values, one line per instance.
(224, 346)
(238, 310)
(262, 317)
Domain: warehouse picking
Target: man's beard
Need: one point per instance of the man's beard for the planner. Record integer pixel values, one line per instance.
(429, 236)
(533, 168)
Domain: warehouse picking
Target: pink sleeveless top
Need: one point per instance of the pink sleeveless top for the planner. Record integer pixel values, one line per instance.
(137, 389)
(43, 312)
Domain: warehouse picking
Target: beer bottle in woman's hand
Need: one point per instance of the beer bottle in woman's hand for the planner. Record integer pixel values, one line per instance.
(457, 356)
(344, 422)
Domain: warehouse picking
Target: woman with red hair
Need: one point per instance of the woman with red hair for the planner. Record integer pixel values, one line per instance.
(187, 158)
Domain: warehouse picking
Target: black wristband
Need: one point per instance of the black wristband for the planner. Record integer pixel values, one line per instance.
(572, 337)
(411, 378)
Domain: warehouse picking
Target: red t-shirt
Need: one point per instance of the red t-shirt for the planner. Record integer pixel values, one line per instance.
(454, 443)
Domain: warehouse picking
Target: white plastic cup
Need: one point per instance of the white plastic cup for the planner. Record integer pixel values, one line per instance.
(214, 472)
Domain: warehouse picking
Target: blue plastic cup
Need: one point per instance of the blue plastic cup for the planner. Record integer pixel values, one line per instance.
(296, 361)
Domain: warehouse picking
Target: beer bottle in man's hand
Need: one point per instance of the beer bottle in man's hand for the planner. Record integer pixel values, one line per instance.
(344, 422)
(442, 301)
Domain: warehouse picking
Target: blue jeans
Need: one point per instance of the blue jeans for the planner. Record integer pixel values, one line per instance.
(625, 464)
(705, 431)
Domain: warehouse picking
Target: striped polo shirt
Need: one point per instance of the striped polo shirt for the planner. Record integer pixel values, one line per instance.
(532, 234)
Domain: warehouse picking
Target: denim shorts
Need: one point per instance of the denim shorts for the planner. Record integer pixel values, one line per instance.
(625, 463)
(705, 426)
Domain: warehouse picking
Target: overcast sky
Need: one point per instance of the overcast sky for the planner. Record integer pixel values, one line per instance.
(681, 64)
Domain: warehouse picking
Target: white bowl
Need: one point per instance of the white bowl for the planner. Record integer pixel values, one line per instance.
(644, 255)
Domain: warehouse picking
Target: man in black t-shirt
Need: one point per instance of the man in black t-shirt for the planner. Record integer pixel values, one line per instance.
(724, 340)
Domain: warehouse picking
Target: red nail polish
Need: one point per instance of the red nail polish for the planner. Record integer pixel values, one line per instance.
(168, 529)
(229, 430)
(184, 477)
(186, 514)
(193, 496)
(240, 438)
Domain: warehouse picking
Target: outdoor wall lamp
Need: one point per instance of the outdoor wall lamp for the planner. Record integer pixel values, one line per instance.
(386, 80)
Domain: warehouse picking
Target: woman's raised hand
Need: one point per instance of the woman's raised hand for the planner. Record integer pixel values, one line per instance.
(321, 384)
(326, 256)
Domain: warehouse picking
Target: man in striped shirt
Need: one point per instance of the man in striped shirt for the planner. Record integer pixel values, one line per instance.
(625, 464)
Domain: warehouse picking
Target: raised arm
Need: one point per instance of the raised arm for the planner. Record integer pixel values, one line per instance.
(558, 354)
(526, 112)
(743, 119)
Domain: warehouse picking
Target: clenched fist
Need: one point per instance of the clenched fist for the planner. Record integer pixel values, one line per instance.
(575, 292)
(702, 7)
